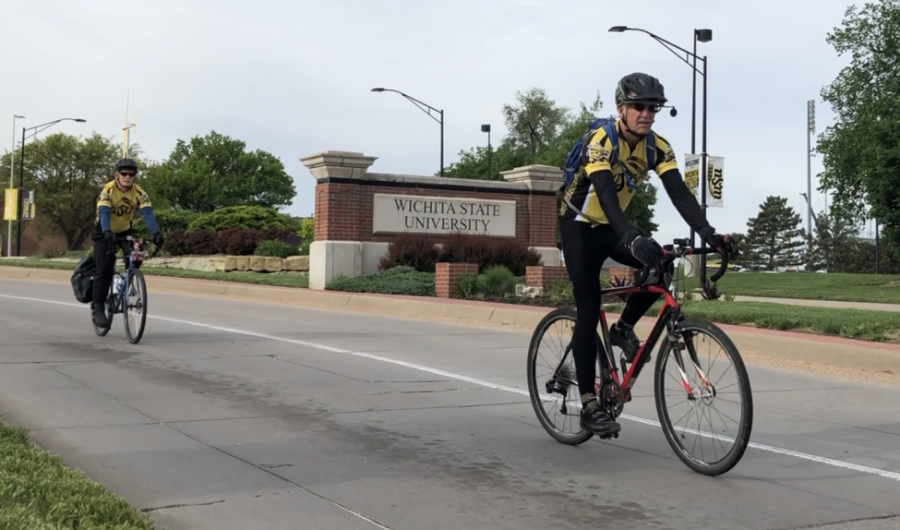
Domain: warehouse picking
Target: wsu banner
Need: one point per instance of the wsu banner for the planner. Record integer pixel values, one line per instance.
(715, 171)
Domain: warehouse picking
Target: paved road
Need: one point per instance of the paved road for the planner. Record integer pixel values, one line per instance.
(233, 415)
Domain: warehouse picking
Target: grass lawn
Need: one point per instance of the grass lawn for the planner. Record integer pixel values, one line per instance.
(278, 279)
(859, 324)
(38, 491)
(884, 288)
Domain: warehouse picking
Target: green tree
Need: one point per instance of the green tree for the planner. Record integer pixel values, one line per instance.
(773, 238)
(862, 149)
(66, 174)
(216, 171)
(543, 132)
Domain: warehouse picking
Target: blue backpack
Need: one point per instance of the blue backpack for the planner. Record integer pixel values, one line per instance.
(577, 156)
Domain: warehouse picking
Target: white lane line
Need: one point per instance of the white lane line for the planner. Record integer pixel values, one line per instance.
(435, 371)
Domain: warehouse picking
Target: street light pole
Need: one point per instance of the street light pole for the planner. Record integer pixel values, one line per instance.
(487, 128)
(700, 35)
(426, 110)
(12, 164)
(37, 129)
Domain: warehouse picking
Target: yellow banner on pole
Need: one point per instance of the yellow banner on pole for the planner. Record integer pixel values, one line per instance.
(10, 204)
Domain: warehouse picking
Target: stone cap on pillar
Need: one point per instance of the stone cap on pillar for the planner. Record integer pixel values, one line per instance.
(342, 164)
(536, 177)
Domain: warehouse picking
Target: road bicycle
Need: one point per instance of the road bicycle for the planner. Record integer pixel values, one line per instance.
(613, 392)
(132, 281)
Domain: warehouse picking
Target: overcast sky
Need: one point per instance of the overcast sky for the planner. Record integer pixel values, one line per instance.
(294, 78)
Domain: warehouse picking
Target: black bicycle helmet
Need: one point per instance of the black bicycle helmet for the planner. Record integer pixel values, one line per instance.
(640, 88)
(126, 163)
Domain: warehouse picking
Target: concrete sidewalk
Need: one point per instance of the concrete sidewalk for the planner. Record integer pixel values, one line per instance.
(831, 304)
(865, 359)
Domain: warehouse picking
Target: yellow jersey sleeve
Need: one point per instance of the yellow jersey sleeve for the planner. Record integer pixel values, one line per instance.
(599, 153)
(665, 156)
(143, 199)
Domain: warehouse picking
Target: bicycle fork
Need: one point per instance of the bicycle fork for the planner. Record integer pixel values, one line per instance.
(706, 388)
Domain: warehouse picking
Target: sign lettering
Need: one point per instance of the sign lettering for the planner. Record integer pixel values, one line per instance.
(442, 215)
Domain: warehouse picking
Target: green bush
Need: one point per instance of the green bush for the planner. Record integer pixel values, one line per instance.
(276, 249)
(495, 283)
(168, 220)
(245, 217)
(307, 229)
(396, 280)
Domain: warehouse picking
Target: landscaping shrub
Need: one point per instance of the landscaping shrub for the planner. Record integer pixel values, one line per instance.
(307, 229)
(419, 251)
(396, 280)
(175, 243)
(487, 251)
(277, 249)
(411, 250)
(201, 242)
(246, 217)
(231, 241)
(495, 283)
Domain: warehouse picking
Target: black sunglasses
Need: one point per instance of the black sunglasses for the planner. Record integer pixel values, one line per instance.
(128, 173)
(653, 107)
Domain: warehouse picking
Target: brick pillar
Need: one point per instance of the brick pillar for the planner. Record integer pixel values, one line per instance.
(446, 277)
(542, 210)
(336, 248)
(544, 276)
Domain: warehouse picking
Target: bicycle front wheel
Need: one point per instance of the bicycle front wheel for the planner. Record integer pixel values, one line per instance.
(135, 302)
(698, 376)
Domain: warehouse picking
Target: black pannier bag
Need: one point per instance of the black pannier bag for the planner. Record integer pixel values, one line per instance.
(83, 280)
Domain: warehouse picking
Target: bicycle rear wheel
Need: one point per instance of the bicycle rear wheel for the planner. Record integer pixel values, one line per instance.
(135, 306)
(559, 379)
(704, 398)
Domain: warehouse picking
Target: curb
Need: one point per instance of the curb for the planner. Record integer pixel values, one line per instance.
(800, 348)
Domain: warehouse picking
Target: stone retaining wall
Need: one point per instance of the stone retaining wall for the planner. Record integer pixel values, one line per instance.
(223, 263)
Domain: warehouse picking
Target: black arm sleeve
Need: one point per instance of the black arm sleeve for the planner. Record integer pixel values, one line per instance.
(685, 202)
(606, 193)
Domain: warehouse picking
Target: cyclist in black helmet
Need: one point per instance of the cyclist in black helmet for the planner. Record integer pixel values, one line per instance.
(120, 199)
(594, 228)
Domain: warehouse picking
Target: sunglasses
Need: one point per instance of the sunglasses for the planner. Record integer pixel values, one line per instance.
(127, 173)
(641, 107)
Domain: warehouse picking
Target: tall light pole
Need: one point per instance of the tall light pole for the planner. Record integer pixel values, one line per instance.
(12, 164)
(700, 35)
(486, 128)
(37, 129)
(427, 110)
(810, 131)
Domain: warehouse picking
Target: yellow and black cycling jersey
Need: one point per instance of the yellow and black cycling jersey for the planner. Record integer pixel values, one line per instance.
(116, 208)
(628, 172)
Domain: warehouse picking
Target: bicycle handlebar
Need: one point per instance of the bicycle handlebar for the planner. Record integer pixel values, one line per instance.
(679, 249)
(122, 239)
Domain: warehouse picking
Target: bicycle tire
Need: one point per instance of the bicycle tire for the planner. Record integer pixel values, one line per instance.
(533, 387)
(136, 276)
(742, 439)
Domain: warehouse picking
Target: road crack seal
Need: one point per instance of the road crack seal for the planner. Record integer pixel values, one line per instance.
(173, 506)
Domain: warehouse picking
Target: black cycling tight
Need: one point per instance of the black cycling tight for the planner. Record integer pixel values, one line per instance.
(584, 250)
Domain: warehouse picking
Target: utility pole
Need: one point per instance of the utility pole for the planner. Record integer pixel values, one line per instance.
(810, 131)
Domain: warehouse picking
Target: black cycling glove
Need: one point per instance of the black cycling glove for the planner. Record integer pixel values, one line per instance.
(644, 249)
(721, 242)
